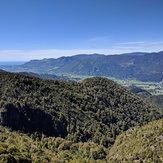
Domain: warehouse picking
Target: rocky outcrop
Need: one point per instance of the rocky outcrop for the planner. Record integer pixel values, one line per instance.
(30, 120)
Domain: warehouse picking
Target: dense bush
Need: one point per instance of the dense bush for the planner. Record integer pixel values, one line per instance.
(139, 144)
(96, 109)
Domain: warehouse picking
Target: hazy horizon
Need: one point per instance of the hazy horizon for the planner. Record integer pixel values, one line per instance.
(18, 62)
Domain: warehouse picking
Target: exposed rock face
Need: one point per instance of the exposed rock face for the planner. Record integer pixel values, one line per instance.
(29, 120)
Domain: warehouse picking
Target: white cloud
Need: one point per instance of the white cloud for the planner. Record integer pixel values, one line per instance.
(94, 39)
(140, 46)
(134, 43)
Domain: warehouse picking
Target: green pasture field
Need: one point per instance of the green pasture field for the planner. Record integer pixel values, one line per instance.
(152, 87)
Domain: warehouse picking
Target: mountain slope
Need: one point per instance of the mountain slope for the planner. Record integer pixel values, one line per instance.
(96, 109)
(142, 66)
(139, 144)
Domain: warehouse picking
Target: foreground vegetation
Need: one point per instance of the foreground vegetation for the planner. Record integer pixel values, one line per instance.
(16, 147)
(60, 121)
(138, 144)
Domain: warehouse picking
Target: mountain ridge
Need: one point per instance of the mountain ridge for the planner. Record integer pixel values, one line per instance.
(137, 65)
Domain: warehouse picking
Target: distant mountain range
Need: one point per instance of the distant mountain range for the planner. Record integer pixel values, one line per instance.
(138, 65)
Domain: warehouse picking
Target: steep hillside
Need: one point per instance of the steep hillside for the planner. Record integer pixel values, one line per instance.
(96, 109)
(142, 66)
(139, 144)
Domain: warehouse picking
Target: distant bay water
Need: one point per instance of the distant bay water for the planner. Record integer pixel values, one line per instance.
(11, 63)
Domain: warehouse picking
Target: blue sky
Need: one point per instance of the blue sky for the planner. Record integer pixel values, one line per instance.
(37, 29)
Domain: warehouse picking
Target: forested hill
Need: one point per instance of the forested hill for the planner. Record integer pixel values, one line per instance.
(141, 66)
(96, 109)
